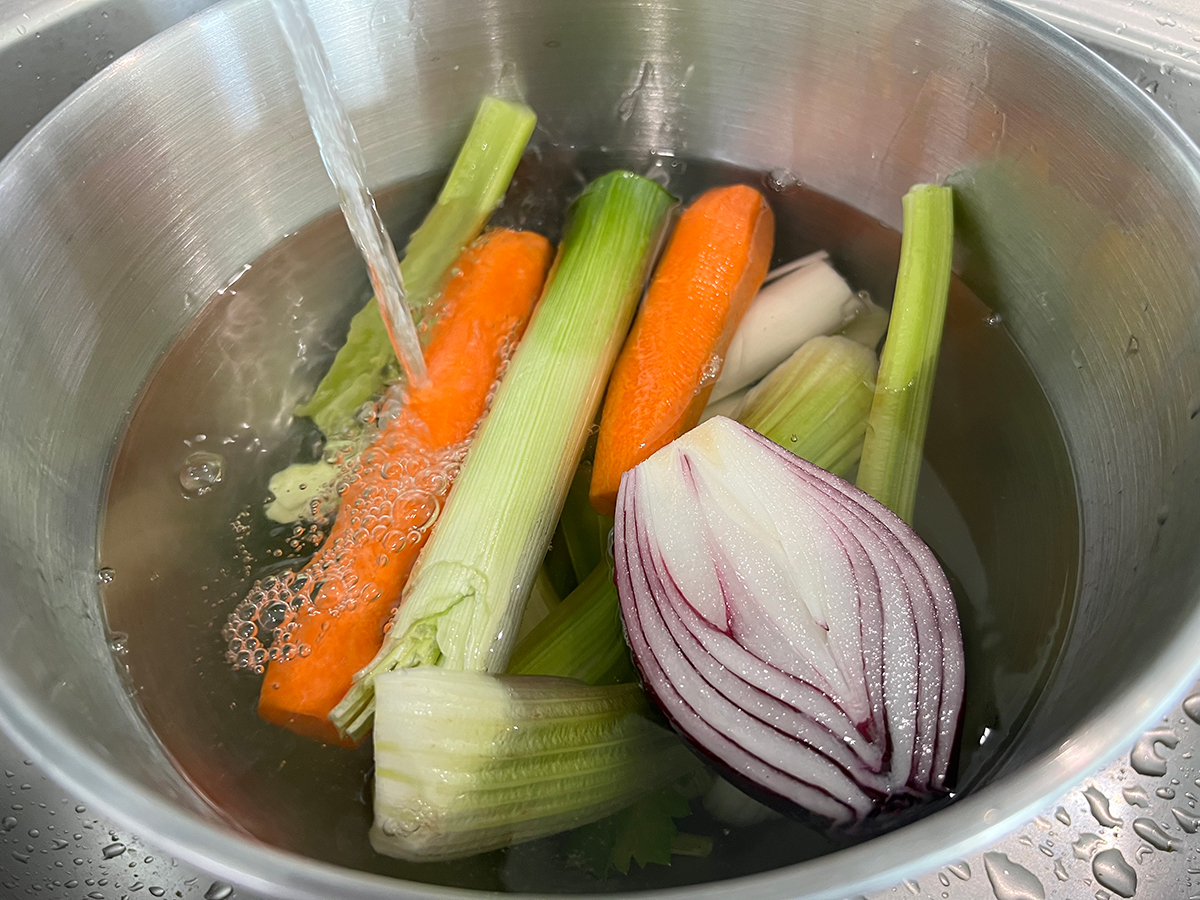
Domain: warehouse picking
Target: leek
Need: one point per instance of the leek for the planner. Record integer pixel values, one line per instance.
(895, 439)
(581, 638)
(464, 600)
(816, 402)
(303, 492)
(543, 600)
(467, 762)
(474, 187)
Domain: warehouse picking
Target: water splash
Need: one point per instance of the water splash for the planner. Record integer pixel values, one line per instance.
(1011, 881)
(342, 156)
(1113, 872)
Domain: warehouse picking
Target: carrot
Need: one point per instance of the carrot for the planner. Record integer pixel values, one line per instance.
(712, 268)
(346, 594)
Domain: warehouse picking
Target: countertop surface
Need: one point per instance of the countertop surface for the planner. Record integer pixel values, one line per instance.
(1131, 830)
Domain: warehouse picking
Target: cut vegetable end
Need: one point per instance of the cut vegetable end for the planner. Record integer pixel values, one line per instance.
(895, 439)
(467, 762)
(471, 585)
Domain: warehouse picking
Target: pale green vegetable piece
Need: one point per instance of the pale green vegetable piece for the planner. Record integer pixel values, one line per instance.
(816, 402)
(467, 762)
(295, 488)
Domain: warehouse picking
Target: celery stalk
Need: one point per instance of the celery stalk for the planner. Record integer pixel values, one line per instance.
(891, 456)
(543, 600)
(467, 762)
(868, 326)
(474, 187)
(816, 402)
(464, 600)
(581, 638)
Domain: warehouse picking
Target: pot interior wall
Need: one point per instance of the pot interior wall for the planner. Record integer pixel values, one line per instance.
(152, 188)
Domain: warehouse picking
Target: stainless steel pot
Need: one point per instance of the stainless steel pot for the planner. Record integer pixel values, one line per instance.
(1080, 222)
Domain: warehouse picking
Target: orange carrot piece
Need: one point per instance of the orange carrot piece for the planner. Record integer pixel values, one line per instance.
(713, 266)
(346, 594)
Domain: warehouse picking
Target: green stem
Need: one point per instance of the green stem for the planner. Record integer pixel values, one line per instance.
(895, 440)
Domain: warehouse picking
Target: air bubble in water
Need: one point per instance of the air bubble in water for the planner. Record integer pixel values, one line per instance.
(201, 472)
(781, 179)
(993, 321)
(105, 575)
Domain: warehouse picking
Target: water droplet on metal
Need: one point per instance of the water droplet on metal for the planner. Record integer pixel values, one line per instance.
(81, 809)
(1150, 832)
(218, 890)
(1113, 872)
(993, 321)
(201, 472)
(1145, 759)
(1062, 815)
(1086, 845)
(1166, 793)
(911, 886)
(105, 575)
(1011, 881)
(1060, 871)
(113, 850)
(944, 879)
(781, 179)
(1077, 359)
(1136, 796)
(1132, 347)
(1186, 820)
(1098, 804)
(8, 823)
(960, 870)
(157, 891)
(1191, 706)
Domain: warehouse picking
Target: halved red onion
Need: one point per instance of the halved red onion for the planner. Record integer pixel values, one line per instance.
(791, 627)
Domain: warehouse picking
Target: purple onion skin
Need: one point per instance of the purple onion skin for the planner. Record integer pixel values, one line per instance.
(923, 789)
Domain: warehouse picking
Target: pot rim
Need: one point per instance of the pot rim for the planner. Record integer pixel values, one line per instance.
(961, 829)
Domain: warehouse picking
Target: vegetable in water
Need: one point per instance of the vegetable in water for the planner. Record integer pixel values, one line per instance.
(464, 602)
(791, 627)
(711, 269)
(895, 441)
(816, 402)
(466, 762)
(581, 638)
(342, 599)
(812, 300)
(474, 188)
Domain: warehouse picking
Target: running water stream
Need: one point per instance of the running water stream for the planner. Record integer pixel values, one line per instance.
(342, 155)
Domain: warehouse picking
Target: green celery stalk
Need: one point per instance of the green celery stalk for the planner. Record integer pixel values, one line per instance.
(895, 440)
(464, 600)
(559, 568)
(467, 762)
(581, 638)
(543, 599)
(474, 187)
(584, 530)
(816, 402)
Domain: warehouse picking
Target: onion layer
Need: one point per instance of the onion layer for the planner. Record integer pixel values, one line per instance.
(791, 627)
